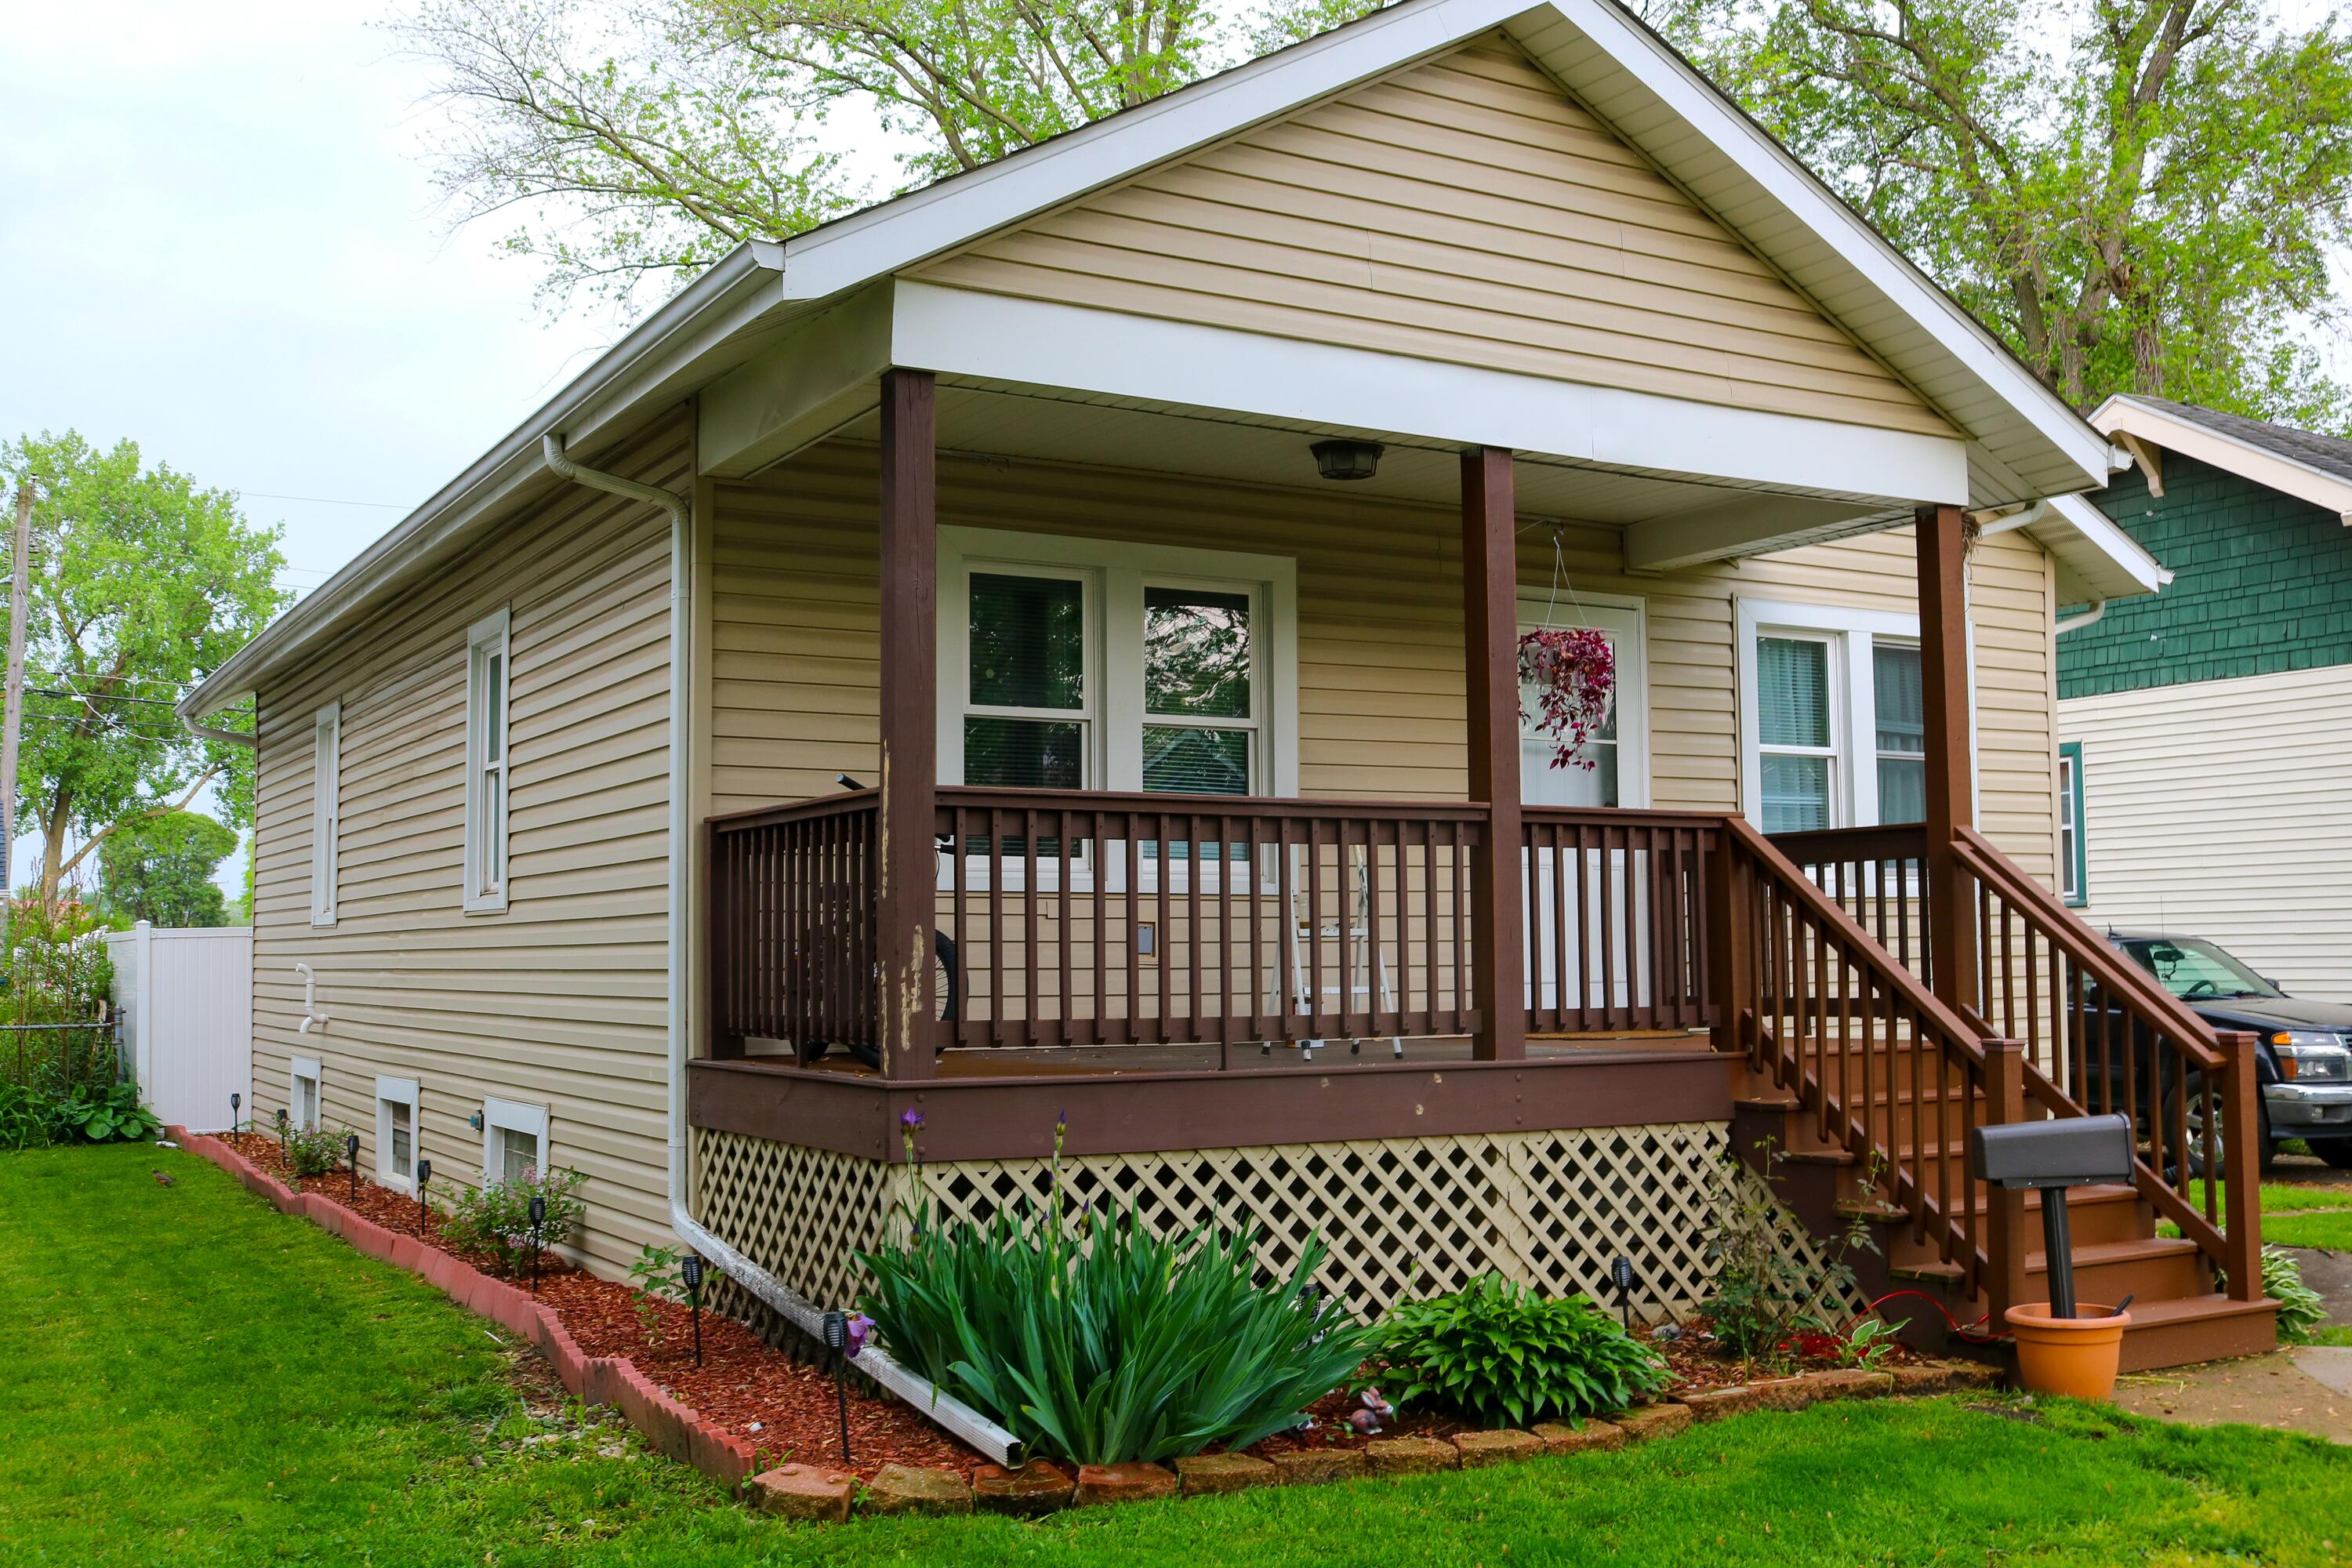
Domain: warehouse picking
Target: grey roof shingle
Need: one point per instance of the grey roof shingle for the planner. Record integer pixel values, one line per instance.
(2328, 454)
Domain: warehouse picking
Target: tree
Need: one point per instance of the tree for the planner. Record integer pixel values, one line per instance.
(634, 151)
(2139, 195)
(159, 868)
(141, 583)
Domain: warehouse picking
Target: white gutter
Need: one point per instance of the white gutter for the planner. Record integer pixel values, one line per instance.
(966, 1423)
(226, 737)
(2076, 623)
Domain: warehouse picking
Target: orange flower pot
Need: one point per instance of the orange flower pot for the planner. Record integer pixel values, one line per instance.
(2073, 1356)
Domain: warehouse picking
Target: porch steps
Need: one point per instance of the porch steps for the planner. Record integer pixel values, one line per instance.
(2178, 1316)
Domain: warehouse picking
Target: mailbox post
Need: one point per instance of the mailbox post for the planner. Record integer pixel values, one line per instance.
(2054, 1156)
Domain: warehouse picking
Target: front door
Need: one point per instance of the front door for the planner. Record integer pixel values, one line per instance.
(1565, 930)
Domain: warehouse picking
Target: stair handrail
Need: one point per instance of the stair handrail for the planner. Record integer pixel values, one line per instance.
(2234, 1247)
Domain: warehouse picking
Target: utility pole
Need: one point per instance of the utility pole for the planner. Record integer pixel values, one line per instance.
(12, 719)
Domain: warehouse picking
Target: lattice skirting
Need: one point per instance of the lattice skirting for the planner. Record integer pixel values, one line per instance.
(1399, 1218)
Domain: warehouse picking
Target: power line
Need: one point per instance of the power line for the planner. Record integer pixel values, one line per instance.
(327, 501)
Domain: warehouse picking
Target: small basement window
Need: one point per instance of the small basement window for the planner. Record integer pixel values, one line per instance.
(514, 1140)
(396, 1132)
(302, 1094)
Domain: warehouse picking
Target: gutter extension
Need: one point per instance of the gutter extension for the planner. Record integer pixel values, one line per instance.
(966, 1423)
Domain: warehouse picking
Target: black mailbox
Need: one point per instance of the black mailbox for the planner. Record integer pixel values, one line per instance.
(2054, 1155)
(2073, 1152)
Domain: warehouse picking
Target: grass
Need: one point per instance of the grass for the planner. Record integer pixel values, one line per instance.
(194, 1378)
(2329, 1228)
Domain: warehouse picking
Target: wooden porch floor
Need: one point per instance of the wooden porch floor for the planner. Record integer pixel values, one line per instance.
(1098, 1061)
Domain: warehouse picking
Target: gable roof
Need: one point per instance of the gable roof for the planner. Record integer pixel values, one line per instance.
(2310, 467)
(2023, 442)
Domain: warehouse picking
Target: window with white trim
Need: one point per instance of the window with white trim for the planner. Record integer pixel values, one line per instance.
(397, 1130)
(514, 1140)
(302, 1093)
(1087, 664)
(2073, 880)
(326, 817)
(1833, 718)
(486, 683)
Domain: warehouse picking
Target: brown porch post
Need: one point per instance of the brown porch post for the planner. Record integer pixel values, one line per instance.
(1943, 670)
(1490, 654)
(905, 866)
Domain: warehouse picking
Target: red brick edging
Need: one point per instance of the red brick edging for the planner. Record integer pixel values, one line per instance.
(670, 1427)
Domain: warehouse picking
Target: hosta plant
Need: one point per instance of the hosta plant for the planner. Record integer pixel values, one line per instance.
(1099, 1342)
(110, 1115)
(1498, 1353)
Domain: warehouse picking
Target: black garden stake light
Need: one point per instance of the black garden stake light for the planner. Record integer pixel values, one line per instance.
(1621, 1274)
(235, 1101)
(281, 1130)
(690, 1266)
(538, 1220)
(424, 1174)
(352, 1158)
(836, 1339)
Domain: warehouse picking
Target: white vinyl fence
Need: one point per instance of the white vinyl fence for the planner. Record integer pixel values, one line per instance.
(186, 1000)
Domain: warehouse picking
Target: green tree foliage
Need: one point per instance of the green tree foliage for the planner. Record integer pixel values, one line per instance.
(631, 149)
(2139, 195)
(140, 582)
(160, 868)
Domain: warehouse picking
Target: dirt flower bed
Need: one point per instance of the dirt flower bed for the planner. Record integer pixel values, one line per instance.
(785, 1410)
(1699, 1363)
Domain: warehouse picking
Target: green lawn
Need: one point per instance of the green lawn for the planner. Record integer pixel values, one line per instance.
(192, 1377)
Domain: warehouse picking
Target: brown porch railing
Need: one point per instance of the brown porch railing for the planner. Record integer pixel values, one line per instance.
(1086, 918)
(1615, 917)
(1877, 875)
(791, 927)
(2103, 1035)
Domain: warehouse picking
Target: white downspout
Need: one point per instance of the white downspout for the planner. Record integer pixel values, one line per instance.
(959, 1418)
(2088, 617)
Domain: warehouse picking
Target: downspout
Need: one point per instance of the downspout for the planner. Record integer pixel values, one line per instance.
(966, 1423)
(2088, 617)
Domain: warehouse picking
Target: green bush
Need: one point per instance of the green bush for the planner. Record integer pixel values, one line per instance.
(109, 1115)
(315, 1151)
(58, 1085)
(1498, 1353)
(1099, 1342)
(493, 1220)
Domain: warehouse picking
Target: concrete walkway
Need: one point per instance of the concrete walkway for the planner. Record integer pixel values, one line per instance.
(2303, 1389)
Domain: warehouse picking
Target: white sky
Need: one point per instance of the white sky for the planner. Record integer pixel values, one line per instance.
(217, 239)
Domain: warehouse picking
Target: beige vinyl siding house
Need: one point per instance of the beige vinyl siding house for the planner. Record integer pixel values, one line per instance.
(589, 888)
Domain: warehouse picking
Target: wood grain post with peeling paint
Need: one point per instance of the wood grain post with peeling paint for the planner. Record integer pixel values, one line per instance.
(906, 859)
(1944, 673)
(1490, 636)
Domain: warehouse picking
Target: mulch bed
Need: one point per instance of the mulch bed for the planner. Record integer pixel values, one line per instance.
(1699, 1363)
(786, 1410)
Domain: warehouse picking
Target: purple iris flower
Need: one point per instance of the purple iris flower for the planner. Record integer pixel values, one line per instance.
(861, 1328)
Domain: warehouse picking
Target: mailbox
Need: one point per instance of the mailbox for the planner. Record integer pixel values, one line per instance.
(2073, 1152)
(2054, 1155)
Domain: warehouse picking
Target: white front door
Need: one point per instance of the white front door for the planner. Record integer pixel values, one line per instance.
(1564, 923)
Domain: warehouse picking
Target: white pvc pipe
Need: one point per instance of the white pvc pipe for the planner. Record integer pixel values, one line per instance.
(951, 1414)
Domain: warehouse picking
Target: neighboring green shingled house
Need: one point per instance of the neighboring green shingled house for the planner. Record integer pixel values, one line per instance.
(2206, 733)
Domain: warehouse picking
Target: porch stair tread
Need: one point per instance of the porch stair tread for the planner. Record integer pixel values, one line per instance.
(2076, 1198)
(2087, 1255)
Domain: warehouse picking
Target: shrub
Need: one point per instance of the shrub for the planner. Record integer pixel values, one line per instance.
(109, 1115)
(1498, 1353)
(660, 1275)
(2301, 1308)
(1764, 1299)
(1099, 1342)
(315, 1151)
(493, 1220)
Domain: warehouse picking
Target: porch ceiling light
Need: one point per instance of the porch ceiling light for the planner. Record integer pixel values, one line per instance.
(1342, 459)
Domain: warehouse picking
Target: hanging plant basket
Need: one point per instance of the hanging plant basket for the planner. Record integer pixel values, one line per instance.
(1572, 674)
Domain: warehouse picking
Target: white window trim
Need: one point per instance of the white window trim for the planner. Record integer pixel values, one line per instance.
(326, 808)
(298, 1069)
(1626, 619)
(389, 1091)
(1117, 572)
(487, 894)
(511, 1116)
(1854, 788)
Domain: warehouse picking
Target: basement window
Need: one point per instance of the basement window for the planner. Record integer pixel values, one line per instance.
(396, 1132)
(302, 1094)
(514, 1140)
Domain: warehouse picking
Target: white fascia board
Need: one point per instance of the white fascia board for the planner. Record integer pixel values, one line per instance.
(956, 331)
(2111, 563)
(1777, 173)
(2259, 465)
(655, 354)
(882, 239)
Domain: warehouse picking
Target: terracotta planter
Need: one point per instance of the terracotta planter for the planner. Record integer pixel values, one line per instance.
(2073, 1356)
